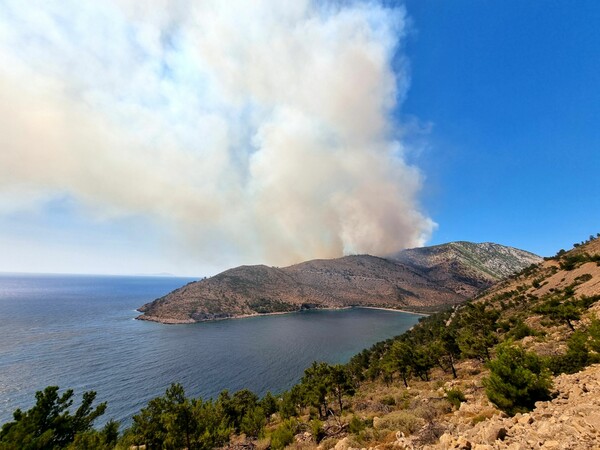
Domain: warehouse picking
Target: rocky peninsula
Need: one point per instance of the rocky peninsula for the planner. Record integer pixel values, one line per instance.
(417, 280)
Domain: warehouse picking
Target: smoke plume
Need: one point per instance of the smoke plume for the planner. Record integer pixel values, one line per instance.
(255, 131)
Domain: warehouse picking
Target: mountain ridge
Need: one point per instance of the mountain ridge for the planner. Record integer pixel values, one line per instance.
(417, 280)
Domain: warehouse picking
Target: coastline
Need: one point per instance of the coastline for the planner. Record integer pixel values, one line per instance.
(168, 321)
(239, 316)
(392, 309)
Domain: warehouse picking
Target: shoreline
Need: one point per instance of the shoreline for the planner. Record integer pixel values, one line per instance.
(277, 313)
(239, 316)
(392, 309)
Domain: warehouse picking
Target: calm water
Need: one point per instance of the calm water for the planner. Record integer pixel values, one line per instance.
(79, 332)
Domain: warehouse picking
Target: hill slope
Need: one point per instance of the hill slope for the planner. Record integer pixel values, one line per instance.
(466, 267)
(550, 309)
(417, 280)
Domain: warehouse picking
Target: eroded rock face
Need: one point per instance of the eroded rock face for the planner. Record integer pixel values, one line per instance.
(570, 421)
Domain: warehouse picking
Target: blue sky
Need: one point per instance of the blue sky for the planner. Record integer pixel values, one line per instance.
(512, 90)
(189, 138)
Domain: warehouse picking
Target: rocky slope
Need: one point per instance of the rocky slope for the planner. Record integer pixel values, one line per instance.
(416, 280)
(419, 418)
(570, 421)
(453, 263)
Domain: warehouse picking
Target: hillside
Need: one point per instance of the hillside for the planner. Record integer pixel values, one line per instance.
(480, 265)
(416, 280)
(551, 310)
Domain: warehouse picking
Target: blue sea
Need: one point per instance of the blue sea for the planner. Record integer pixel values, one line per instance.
(79, 332)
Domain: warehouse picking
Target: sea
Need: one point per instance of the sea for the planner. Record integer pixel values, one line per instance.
(80, 332)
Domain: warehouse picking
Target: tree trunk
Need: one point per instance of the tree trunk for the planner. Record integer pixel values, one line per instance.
(453, 368)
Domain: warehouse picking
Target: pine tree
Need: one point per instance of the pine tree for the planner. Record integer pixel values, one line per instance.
(517, 379)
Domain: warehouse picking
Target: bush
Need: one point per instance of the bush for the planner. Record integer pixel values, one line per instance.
(389, 401)
(269, 404)
(253, 422)
(329, 443)
(578, 354)
(583, 278)
(316, 428)
(573, 261)
(402, 421)
(594, 332)
(105, 439)
(283, 435)
(356, 425)
(517, 380)
(482, 417)
(455, 397)
(521, 330)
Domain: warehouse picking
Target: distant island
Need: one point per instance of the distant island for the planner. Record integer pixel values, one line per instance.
(416, 280)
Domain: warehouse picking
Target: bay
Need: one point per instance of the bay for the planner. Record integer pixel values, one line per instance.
(78, 331)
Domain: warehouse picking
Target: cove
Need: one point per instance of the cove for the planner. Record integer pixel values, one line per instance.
(79, 332)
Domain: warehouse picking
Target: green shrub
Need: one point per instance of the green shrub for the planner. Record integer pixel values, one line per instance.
(578, 353)
(316, 428)
(455, 397)
(517, 380)
(583, 278)
(558, 311)
(253, 422)
(105, 439)
(389, 401)
(521, 330)
(356, 425)
(329, 443)
(573, 261)
(269, 404)
(594, 332)
(287, 407)
(283, 435)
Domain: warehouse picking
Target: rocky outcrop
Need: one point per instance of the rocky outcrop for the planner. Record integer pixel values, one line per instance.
(570, 421)
(407, 283)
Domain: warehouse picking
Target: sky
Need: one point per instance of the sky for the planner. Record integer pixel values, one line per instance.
(187, 137)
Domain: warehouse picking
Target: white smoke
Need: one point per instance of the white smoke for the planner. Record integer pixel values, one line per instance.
(260, 131)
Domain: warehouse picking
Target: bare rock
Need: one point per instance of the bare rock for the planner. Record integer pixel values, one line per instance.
(593, 420)
(570, 422)
(343, 444)
(551, 445)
